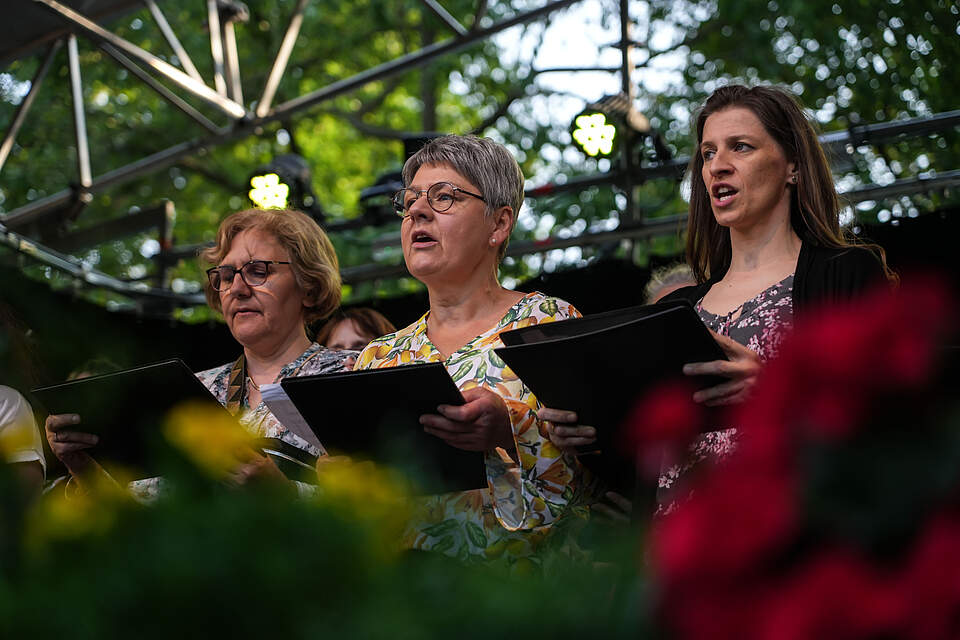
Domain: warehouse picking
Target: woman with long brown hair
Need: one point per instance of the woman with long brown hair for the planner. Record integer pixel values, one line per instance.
(764, 242)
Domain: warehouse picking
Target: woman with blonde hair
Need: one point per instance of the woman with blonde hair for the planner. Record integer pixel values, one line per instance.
(273, 273)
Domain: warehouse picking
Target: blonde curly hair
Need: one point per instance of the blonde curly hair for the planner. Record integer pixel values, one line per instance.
(313, 259)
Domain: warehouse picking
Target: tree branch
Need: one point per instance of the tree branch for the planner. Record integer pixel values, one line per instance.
(365, 128)
(500, 111)
(204, 170)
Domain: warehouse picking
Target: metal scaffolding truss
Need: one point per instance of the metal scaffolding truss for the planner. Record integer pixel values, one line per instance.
(56, 24)
(225, 95)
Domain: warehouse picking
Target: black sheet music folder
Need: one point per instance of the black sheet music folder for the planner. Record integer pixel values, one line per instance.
(126, 410)
(374, 414)
(600, 365)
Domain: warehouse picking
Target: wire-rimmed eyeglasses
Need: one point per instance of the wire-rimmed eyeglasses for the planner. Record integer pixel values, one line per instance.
(440, 197)
(254, 273)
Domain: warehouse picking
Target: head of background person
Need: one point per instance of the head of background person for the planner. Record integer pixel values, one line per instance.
(353, 329)
(461, 201)
(796, 171)
(273, 272)
(666, 280)
(95, 366)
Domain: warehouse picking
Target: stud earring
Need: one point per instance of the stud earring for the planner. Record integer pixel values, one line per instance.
(493, 240)
(793, 179)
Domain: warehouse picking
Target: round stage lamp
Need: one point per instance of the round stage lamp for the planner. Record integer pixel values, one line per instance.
(593, 134)
(268, 192)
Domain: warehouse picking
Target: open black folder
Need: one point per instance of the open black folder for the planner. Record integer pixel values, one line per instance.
(126, 409)
(600, 365)
(374, 414)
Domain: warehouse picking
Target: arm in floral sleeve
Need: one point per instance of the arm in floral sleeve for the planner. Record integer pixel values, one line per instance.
(535, 491)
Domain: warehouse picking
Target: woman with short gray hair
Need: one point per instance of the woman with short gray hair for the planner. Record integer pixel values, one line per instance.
(459, 206)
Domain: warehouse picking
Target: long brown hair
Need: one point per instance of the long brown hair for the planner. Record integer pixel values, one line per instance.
(814, 203)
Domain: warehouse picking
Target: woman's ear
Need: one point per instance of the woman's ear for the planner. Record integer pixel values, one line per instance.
(793, 173)
(502, 224)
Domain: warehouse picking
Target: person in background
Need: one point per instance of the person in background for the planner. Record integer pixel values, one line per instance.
(353, 329)
(20, 443)
(459, 206)
(273, 273)
(764, 243)
(666, 280)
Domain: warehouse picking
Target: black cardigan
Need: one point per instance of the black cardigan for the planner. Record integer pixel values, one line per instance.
(823, 275)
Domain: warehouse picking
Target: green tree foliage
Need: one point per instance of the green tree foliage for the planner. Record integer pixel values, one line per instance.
(851, 63)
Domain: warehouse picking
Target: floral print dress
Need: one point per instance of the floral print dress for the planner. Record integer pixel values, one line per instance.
(760, 324)
(522, 501)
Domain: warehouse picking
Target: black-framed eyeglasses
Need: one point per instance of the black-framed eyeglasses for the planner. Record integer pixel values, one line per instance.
(254, 273)
(440, 197)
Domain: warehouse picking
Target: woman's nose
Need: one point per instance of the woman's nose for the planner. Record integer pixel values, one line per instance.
(420, 207)
(719, 164)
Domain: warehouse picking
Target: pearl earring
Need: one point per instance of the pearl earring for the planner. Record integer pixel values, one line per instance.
(493, 240)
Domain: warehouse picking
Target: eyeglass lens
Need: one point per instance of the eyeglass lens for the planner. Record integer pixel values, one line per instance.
(253, 273)
(440, 197)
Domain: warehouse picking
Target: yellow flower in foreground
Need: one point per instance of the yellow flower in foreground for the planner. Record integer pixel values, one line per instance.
(13, 441)
(70, 512)
(208, 436)
(368, 493)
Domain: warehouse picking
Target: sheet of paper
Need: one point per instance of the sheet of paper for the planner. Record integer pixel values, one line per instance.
(287, 413)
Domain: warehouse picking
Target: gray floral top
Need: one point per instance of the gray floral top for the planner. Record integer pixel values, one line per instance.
(259, 421)
(760, 324)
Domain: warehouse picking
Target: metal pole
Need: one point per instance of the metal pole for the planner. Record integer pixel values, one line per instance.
(283, 56)
(411, 60)
(626, 85)
(165, 93)
(190, 84)
(74, 267)
(445, 16)
(173, 41)
(24, 108)
(79, 117)
(216, 46)
(232, 62)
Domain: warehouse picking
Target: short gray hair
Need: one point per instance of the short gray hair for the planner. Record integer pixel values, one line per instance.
(485, 163)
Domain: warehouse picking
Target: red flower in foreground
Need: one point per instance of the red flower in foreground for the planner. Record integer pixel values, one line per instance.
(738, 560)
(931, 581)
(733, 521)
(662, 422)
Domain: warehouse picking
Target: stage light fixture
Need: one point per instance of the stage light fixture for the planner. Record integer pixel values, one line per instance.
(268, 192)
(284, 183)
(593, 134)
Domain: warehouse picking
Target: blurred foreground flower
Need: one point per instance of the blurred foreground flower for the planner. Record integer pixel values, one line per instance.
(366, 492)
(209, 437)
(844, 487)
(70, 513)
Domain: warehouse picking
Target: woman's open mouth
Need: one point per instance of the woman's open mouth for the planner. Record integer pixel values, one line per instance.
(723, 194)
(422, 240)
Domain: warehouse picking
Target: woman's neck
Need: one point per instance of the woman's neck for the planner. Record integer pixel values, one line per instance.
(264, 364)
(457, 315)
(465, 301)
(763, 247)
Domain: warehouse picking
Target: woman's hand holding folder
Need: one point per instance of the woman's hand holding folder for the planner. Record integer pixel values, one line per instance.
(742, 367)
(563, 430)
(71, 446)
(481, 424)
